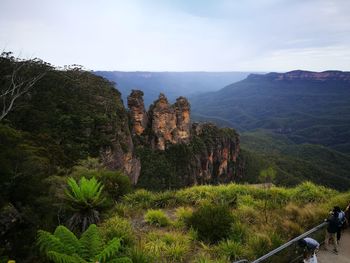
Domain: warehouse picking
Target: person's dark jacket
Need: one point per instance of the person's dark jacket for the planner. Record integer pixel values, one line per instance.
(333, 223)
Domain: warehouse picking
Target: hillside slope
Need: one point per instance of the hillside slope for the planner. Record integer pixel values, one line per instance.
(307, 107)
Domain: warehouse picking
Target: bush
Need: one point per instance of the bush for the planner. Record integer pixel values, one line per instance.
(260, 244)
(172, 246)
(183, 214)
(120, 228)
(229, 249)
(156, 217)
(213, 223)
(116, 184)
(140, 198)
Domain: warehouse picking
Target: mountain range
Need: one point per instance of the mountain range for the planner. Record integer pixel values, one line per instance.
(174, 84)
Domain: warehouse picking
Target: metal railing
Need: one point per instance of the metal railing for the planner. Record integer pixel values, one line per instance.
(290, 252)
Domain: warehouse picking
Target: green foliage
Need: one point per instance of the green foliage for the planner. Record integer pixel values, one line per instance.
(85, 199)
(120, 228)
(171, 246)
(157, 217)
(267, 175)
(183, 214)
(294, 163)
(213, 223)
(229, 249)
(115, 183)
(64, 247)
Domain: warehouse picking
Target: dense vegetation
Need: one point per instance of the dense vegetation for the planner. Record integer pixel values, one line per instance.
(294, 163)
(67, 116)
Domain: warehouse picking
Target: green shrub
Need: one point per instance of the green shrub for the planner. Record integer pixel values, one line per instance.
(239, 232)
(156, 217)
(172, 246)
(116, 184)
(120, 228)
(140, 198)
(183, 214)
(213, 223)
(139, 256)
(259, 244)
(229, 249)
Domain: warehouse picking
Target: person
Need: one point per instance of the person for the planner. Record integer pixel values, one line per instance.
(342, 221)
(347, 214)
(332, 228)
(310, 247)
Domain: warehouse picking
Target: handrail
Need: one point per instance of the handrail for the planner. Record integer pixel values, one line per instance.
(289, 243)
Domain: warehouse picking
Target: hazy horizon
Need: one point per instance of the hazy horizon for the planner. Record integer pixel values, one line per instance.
(181, 36)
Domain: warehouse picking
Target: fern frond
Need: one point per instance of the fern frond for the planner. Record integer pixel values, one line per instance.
(63, 258)
(121, 260)
(48, 242)
(91, 243)
(68, 239)
(109, 251)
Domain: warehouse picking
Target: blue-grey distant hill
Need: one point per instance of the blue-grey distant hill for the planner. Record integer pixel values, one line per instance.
(308, 107)
(298, 122)
(174, 84)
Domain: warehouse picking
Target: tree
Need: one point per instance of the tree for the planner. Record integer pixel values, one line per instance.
(64, 247)
(85, 199)
(17, 77)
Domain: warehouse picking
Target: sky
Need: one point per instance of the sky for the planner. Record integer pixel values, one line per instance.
(180, 35)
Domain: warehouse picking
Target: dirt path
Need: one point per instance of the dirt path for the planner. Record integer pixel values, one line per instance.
(344, 251)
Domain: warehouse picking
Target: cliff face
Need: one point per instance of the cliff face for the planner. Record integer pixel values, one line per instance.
(212, 154)
(218, 159)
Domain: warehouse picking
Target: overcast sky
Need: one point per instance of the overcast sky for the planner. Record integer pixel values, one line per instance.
(187, 35)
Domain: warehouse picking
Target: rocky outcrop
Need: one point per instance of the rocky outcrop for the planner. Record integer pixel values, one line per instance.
(183, 120)
(139, 118)
(218, 161)
(213, 152)
(168, 124)
(163, 123)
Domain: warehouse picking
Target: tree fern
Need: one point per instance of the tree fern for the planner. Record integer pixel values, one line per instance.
(64, 258)
(69, 240)
(46, 242)
(64, 247)
(85, 199)
(91, 242)
(109, 251)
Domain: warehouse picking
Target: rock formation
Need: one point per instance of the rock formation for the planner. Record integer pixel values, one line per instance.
(169, 124)
(163, 121)
(218, 161)
(183, 120)
(214, 154)
(139, 116)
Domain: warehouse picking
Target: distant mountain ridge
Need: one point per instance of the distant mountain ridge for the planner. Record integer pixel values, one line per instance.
(308, 107)
(174, 84)
(329, 75)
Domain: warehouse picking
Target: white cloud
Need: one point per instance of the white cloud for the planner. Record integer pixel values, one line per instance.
(180, 35)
